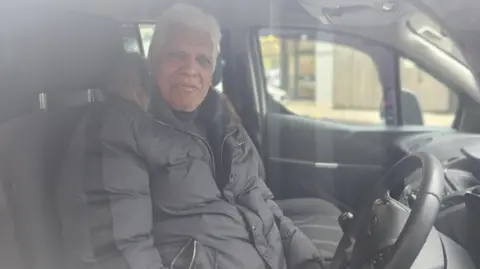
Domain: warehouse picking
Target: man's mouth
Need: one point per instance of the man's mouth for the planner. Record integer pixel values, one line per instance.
(188, 87)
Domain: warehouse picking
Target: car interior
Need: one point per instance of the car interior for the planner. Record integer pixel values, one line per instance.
(55, 60)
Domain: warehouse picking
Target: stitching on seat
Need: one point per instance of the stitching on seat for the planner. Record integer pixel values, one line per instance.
(319, 226)
(301, 221)
(324, 242)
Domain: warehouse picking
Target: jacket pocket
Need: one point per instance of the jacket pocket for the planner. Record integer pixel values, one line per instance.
(185, 257)
(194, 255)
(206, 257)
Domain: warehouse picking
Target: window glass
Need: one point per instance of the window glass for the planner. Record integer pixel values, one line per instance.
(436, 103)
(130, 41)
(146, 32)
(322, 79)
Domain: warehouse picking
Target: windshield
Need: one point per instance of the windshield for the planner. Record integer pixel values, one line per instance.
(435, 34)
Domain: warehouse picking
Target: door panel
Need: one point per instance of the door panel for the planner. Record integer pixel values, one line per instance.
(334, 161)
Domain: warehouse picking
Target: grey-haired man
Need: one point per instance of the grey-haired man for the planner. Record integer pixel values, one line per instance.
(184, 188)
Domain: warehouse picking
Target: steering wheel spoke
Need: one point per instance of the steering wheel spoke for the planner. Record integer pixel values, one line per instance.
(385, 233)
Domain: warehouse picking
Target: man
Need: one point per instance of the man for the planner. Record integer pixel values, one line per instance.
(184, 189)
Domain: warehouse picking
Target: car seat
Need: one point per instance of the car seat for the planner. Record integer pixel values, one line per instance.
(51, 62)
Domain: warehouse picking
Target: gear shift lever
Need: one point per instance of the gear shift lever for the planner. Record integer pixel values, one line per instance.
(345, 220)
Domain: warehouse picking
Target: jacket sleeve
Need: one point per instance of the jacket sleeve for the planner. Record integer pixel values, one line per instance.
(115, 190)
(298, 248)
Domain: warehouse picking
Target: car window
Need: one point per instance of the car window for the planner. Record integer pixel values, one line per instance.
(146, 33)
(130, 40)
(322, 79)
(436, 103)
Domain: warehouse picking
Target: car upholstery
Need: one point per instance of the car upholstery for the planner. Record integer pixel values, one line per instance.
(50, 54)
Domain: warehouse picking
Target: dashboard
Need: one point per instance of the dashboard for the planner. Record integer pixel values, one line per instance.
(460, 155)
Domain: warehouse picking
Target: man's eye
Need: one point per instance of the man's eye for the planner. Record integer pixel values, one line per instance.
(204, 61)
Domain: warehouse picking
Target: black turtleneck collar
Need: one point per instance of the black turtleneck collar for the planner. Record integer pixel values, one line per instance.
(185, 117)
(212, 114)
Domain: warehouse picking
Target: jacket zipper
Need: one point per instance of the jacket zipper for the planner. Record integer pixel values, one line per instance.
(223, 144)
(210, 151)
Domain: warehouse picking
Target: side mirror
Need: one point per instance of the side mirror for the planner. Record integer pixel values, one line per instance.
(411, 109)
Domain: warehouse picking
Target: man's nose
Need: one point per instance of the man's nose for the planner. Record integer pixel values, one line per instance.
(189, 66)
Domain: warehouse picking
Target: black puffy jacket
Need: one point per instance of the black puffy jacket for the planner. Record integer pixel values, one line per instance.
(146, 192)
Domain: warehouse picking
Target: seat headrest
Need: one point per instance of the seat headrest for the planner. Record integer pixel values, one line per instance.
(47, 50)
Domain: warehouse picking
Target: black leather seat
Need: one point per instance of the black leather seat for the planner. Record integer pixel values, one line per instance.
(44, 53)
(318, 219)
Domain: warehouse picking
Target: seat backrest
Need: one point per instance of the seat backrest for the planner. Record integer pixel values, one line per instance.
(45, 54)
(9, 256)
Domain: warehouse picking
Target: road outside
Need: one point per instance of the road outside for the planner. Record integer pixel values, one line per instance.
(311, 109)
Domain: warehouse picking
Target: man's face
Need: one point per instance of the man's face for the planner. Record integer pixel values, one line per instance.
(183, 68)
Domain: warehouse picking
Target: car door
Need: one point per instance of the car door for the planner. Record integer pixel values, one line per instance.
(332, 135)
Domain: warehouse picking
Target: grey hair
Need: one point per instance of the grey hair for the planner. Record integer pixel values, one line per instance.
(191, 17)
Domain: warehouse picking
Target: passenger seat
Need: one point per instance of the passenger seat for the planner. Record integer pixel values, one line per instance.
(50, 63)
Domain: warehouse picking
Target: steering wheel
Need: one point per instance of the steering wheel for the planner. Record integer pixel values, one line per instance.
(384, 233)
